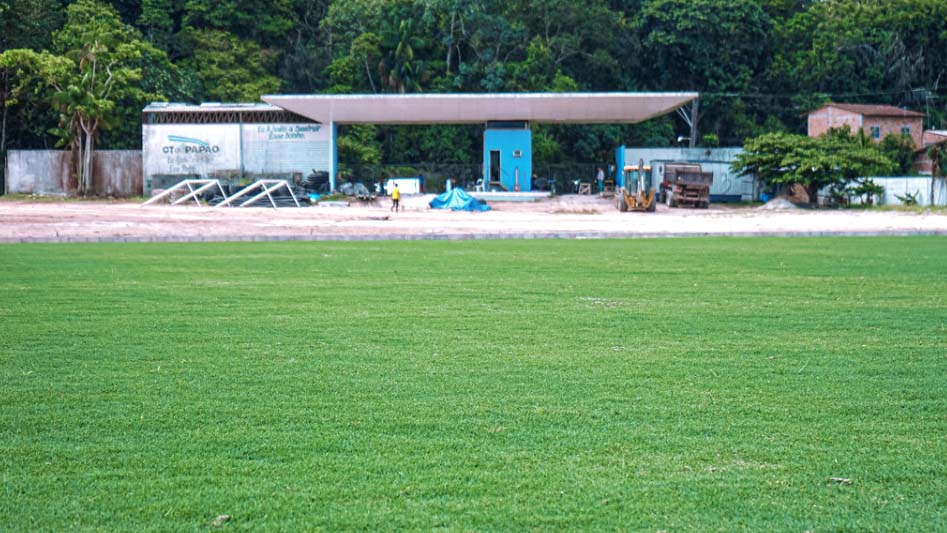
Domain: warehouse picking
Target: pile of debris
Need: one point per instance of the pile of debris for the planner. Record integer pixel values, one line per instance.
(778, 204)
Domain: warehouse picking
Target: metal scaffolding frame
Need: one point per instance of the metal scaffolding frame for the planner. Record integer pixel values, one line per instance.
(193, 193)
(267, 186)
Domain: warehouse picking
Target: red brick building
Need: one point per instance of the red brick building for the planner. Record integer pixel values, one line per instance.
(877, 121)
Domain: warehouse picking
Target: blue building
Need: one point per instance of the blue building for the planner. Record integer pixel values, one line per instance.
(508, 156)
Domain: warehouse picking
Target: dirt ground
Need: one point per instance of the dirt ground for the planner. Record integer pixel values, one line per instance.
(562, 217)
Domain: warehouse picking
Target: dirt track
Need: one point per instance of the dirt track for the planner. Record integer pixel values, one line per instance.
(566, 216)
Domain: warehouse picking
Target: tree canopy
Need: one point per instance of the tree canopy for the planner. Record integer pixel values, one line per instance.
(759, 64)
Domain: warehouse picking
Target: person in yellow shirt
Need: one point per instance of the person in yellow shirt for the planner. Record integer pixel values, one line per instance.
(395, 198)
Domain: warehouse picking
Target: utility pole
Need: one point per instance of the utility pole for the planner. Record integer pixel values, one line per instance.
(691, 120)
(695, 115)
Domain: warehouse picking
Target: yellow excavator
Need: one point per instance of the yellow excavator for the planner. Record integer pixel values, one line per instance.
(639, 193)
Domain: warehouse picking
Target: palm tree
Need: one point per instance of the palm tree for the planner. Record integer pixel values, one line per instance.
(404, 72)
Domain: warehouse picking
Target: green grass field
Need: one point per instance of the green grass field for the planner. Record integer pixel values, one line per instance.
(698, 384)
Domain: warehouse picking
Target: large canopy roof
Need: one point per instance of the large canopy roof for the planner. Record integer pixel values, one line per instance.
(557, 108)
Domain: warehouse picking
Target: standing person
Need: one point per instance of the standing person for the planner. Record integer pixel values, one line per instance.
(395, 198)
(600, 177)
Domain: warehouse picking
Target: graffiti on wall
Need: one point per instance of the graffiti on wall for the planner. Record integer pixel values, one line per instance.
(187, 150)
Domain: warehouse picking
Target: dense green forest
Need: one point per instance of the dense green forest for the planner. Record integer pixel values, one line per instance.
(759, 64)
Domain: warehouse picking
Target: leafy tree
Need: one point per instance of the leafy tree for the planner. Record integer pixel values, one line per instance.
(546, 149)
(157, 22)
(343, 75)
(366, 49)
(347, 20)
(263, 23)
(580, 39)
(99, 50)
(868, 189)
(402, 144)
(655, 132)
(881, 49)
(714, 46)
(230, 69)
(450, 144)
(28, 23)
(785, 159)
(22, 75)
(161, 81)
(25, 24)
(92, 80)
(307, 53)
(710, 140)
(404, 72)
(899, 149)
(358, 144)
(835, 159)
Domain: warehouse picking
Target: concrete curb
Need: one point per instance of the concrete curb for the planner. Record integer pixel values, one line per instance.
(472, 236)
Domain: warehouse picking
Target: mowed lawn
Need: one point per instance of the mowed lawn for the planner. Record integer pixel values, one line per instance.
(674, 384)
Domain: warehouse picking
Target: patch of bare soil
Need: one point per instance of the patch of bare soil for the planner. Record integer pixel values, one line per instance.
(561, 216)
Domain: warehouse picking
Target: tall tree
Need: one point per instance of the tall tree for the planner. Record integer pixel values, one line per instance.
(713, 46)
(157, 22)
(24, 24)
(403, 68)
(306, 52)
(94, 67)
(101, 50)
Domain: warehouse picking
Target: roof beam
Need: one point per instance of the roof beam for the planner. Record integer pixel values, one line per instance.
(551, 108)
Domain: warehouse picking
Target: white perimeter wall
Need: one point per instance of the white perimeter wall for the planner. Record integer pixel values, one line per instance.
(900, 185)
(207, 150)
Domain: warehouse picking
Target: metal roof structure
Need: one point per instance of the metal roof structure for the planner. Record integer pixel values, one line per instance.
(552, 108)
(216, 113)
(207, 107)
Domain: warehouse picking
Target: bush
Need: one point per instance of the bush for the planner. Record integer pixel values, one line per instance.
(868, 189)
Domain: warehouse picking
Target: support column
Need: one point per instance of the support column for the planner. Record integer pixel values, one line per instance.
(333, 156)
(695, 117)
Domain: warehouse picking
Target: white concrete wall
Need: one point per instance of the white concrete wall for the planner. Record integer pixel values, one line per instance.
(285, 148)
(198, 149)
(208, 150)
(898, 186)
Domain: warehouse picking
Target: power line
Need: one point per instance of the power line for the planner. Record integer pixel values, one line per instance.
(929, 93)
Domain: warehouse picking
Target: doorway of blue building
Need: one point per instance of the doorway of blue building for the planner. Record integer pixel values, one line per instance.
(495, 168)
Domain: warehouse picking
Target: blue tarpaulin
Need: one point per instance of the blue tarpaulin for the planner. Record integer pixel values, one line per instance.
(458, 200)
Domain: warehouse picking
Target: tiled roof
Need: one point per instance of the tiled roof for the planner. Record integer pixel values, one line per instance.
(875, 110)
